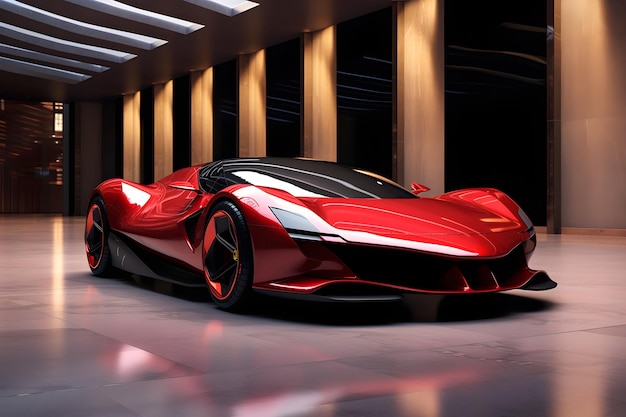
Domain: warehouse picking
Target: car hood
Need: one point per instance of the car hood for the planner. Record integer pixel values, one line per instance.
(437, 224)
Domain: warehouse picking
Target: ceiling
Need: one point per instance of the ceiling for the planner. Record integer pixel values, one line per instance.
(82, 74)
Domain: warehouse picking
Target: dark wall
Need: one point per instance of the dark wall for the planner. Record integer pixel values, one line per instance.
(495, 102)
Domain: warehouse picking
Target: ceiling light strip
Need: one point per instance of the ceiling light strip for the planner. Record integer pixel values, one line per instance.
(50, 59)
(41, 71)
(63, 45)
(229, 8)
(125, 11)
(82, 28)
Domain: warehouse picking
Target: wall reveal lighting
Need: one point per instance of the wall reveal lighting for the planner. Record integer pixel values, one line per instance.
(63, 45)
(50, 59)
(226, 7)
(81, 28)
(136, 14)
(41, 71)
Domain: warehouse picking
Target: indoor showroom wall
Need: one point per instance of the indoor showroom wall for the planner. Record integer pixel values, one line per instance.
(593, 113)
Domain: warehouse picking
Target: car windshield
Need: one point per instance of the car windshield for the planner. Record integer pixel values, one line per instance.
(300, 178)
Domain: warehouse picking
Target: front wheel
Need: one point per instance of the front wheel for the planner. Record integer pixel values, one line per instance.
(227, 257)
(96, 238)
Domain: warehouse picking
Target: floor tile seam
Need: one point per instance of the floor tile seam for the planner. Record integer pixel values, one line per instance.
(549, 334)
(99, 386)
(264, 369)
(432, 349)
(613, 326)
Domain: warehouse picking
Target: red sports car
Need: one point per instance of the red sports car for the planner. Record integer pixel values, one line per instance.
(306, 228)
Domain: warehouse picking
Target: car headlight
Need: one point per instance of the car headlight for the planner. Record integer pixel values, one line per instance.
(293, 222)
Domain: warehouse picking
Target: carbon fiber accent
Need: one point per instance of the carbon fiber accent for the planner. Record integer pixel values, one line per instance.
(191, 224)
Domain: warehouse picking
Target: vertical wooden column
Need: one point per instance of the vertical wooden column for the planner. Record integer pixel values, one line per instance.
(202, 116)
(131, 137)
(163, 129)
(553, 77)
(252, 114)
(419, 76)
(319, 82)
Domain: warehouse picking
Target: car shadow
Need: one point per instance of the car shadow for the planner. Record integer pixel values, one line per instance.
(412, 308)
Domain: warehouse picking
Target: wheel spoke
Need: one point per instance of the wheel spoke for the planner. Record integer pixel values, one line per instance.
(97, 226)
(228, 245)
(95, 238)
(219, 274)
(223, 231)
(94, 248)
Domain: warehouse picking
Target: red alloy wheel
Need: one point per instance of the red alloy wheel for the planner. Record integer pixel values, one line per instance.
(227, 256)
(221, 260)
(94, 236)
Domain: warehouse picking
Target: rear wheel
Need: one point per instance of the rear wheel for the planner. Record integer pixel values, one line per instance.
(227, 255)
(96, 238)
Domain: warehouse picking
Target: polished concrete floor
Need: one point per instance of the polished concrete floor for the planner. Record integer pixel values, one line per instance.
(75, 345)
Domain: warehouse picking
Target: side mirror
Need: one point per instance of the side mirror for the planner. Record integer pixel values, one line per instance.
(183, 185)
(418, 188)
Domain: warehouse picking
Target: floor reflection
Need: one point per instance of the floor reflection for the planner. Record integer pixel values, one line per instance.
(75, 344)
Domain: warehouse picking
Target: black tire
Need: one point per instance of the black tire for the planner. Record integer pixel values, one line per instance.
(96, 238)
(227, 257)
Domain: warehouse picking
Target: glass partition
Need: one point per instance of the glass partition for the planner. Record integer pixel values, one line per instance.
(283, 99)
(364, 92)
(225, 110)
(495, 100)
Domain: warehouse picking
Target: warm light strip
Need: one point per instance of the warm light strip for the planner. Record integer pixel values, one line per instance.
(226, 7)
(63, 45)
(50, 59)
(41, 71)
(125, 11)
(81, 28)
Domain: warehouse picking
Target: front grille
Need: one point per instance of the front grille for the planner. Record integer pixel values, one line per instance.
(421, 272)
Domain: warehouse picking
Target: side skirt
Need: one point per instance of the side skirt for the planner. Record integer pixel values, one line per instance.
(141, 262)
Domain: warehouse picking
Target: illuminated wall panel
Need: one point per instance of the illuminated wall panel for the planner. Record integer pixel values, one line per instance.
(320, 95)
(202, 116)
(131, 132)
(420, 136)
(593, 114)
(163, 129)
(252, 120)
